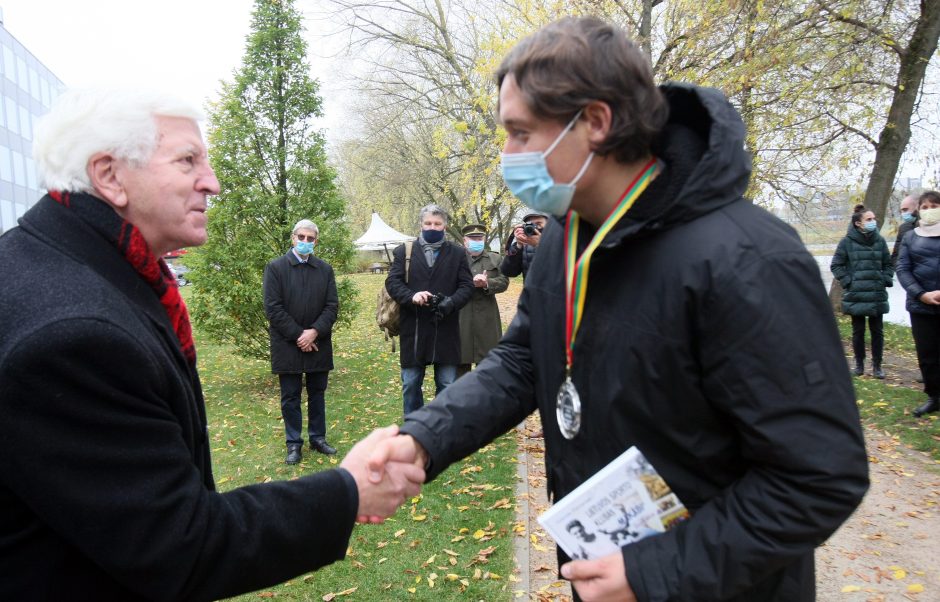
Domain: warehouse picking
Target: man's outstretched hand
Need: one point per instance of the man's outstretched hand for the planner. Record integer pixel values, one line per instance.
(385, 474)
(389, 452)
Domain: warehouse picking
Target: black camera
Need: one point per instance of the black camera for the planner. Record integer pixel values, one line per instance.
(434, 300)
(531, 229)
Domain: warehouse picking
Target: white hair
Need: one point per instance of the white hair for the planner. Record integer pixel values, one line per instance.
(84, 122)
(306, 224)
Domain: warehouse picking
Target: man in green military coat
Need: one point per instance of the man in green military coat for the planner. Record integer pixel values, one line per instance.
(480, 325)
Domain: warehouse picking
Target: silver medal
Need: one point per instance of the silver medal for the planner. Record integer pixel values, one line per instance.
(568, 409)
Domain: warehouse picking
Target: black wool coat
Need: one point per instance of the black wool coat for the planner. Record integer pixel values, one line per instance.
(708, 343)
(903, 229)
(106, 486)
(423, 339)
(297, 296)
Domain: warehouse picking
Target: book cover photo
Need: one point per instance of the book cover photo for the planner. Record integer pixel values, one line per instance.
(624, 502)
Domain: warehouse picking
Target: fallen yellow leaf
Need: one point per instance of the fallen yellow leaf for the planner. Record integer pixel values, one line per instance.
(915, 588)
(851, 588)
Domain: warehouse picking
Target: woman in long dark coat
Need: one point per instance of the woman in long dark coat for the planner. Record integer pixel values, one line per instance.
(862, 264)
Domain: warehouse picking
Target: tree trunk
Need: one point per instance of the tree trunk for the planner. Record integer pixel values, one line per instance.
(897, 131)
(646, 28)
(835, 296)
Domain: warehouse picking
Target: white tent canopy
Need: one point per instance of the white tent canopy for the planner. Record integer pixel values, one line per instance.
(380, 236)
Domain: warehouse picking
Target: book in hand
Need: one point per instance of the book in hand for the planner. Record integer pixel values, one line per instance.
(624, 502)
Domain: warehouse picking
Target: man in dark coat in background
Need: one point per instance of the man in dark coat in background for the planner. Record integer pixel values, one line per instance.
(439, 284)
(300, 301)
(106, 485)
(909, 221)
(702, 335)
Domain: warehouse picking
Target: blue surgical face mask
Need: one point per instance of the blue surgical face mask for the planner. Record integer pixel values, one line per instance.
(475, 246)
(526, 175)
(871, 226)
(908, 217)
(303, 247)
(432, 236)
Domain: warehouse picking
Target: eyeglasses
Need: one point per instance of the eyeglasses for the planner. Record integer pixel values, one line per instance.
(306, 237)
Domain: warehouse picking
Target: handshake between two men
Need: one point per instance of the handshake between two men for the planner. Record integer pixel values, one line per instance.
(388, 469)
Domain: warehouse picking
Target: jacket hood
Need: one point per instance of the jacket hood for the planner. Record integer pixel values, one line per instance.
(704, 165)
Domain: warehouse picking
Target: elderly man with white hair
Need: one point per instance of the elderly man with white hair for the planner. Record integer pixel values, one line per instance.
(106, 485)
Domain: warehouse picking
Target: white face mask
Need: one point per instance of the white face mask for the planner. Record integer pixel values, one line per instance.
(929, 217)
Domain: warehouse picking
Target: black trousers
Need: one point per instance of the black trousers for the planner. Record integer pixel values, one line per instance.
(926, 331)
(291, 387)
(876, 326)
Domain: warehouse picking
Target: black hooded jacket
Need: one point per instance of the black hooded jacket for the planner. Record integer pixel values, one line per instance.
(708, 342)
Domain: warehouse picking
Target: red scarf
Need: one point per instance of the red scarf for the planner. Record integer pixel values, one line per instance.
(129, 241)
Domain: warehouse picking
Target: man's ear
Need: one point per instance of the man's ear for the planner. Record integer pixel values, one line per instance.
(105, 173)
(598, 116)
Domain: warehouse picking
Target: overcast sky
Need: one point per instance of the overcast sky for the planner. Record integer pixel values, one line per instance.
(183, 47)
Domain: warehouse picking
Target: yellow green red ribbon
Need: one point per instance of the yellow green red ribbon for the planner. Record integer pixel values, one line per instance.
(577, 268)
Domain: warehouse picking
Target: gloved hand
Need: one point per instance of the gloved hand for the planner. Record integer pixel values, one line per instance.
(445, 306)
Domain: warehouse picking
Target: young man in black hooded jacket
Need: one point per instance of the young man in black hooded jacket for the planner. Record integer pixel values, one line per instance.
(693, 325)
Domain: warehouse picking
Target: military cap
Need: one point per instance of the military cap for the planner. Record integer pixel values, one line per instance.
(471, 229)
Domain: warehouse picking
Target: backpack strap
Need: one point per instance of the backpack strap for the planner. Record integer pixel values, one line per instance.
(408, 245)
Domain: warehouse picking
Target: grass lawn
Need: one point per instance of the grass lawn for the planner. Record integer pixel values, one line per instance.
(453, 542)
(887, 407)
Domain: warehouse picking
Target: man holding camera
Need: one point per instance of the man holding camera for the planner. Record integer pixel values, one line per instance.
(520, 251)
(439, 283)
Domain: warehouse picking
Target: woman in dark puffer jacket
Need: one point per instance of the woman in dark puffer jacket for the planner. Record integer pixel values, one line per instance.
(919, 274)
(862, 264)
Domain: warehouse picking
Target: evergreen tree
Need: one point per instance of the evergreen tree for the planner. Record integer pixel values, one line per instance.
(271, 165)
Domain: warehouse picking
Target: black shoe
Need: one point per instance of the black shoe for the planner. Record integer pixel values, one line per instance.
(323, 447)
(859, 368)
(294, 455)
(876, 371)
(932, 405)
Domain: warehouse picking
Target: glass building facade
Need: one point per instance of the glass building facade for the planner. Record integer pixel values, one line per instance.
(27, 89)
